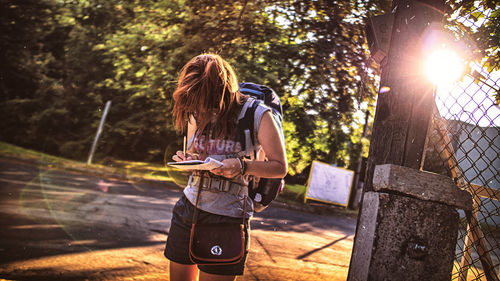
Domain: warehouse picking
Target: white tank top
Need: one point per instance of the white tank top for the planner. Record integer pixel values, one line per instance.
(218, 202)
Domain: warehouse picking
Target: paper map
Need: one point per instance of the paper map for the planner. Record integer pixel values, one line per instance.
(208, 164)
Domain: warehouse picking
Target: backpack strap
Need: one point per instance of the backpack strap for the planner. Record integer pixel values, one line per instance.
(245, 107)
(246, 127)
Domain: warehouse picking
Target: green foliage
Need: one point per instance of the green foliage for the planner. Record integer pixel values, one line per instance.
(80, 54)
(478, 24)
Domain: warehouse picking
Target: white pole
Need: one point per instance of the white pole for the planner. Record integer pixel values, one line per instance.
(108, 104)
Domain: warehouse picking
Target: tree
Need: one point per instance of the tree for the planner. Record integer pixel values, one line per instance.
(329, 76)
(24, 62)
(311, 53)
(479, 28)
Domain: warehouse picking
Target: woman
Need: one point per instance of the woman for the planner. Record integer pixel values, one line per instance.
(208, 100)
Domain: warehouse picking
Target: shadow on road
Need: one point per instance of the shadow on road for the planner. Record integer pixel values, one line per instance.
(58, 225)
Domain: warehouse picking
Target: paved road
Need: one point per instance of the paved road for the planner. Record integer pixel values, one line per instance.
(60, 225)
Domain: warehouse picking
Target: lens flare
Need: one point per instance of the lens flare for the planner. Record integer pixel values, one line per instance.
(180, 178)
(384, 90)
(443, 67)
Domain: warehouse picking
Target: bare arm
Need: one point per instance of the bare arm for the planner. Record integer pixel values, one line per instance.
(273, 146)
(276, 165)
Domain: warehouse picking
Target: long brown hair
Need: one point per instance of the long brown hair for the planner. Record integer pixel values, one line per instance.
(208, 90)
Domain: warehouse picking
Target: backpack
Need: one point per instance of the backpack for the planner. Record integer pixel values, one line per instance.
(262, 191)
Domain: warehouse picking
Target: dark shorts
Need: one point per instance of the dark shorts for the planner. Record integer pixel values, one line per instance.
(177, 248)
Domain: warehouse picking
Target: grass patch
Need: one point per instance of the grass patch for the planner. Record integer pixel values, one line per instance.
(127, 168)
(295, 192)
(24, 153)
(142, 169)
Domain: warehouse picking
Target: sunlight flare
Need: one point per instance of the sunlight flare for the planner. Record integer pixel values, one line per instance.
(443, 67)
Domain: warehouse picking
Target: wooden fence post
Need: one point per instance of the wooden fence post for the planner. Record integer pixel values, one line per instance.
(405, 102)
(404, 106)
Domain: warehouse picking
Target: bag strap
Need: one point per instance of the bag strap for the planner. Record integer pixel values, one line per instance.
(198, 193)
(195, 212)
(246, 130)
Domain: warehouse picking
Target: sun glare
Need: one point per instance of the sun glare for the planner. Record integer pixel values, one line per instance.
(443, 67)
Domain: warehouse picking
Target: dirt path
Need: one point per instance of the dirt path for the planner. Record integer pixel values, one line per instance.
(58, 225)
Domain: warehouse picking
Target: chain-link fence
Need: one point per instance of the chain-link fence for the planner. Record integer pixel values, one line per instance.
(465, 142)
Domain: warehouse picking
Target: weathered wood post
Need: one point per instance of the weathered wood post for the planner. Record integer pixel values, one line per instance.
(403, 235)
(405, 102)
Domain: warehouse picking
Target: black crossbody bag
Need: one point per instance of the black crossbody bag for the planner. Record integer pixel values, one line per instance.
(216, 243)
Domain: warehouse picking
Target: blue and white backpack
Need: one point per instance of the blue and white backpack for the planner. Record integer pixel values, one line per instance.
(261, 190)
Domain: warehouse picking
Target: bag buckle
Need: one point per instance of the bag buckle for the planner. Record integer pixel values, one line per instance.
(225, 185)
(219, 184)
(207, 182)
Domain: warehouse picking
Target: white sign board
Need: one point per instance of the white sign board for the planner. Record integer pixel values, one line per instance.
(329, 184)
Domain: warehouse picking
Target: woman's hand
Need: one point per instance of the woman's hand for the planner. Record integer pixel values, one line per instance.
(179, 156)
(230, 169)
